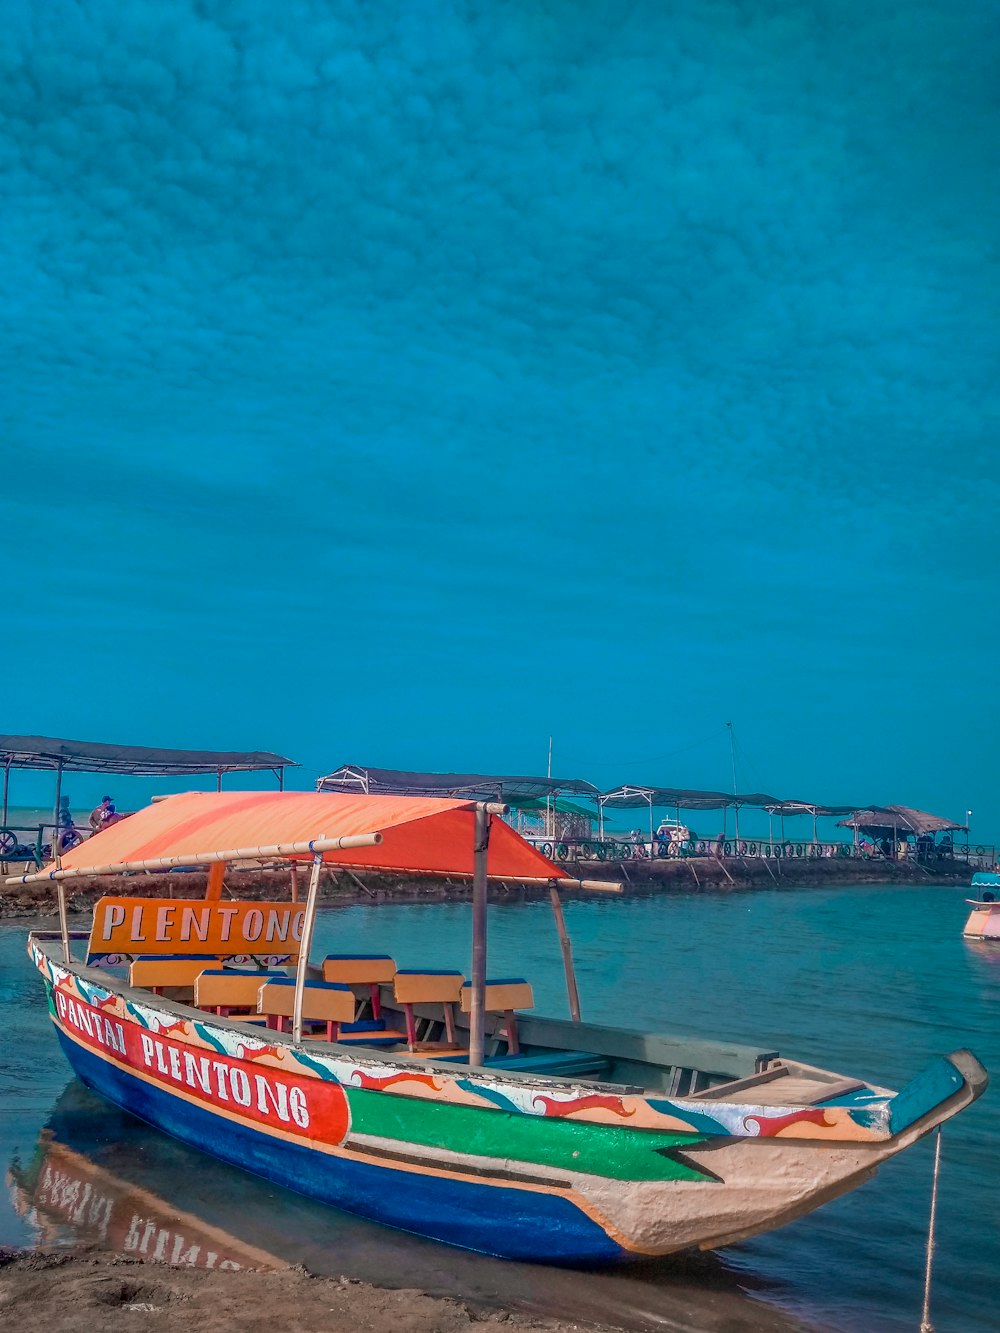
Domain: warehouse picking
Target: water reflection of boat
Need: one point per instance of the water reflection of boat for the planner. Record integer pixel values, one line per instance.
(119, 1160)
(984, 919)
(69, 1199)
(522, 1136)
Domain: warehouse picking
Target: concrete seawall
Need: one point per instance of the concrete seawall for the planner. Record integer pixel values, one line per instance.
(639, 877)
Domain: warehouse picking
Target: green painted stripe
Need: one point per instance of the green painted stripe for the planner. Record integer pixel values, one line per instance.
(572, 1145)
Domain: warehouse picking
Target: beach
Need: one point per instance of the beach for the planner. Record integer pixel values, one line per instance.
(93, 1293)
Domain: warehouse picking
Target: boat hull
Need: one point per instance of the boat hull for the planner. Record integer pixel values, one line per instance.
(521, 1167)
(501, 1221)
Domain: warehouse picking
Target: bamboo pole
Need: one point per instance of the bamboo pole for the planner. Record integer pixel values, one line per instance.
(305, 944)
(209, 858)
(295, 882)
(478, 978)
(63, 922)
(572, 994)
(587, 885)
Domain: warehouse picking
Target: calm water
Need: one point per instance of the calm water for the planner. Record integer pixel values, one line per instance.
(870, 981)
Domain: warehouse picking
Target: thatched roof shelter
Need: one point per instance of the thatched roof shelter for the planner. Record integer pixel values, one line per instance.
(890, 820)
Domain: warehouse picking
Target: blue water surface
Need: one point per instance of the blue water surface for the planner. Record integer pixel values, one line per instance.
(872, 981)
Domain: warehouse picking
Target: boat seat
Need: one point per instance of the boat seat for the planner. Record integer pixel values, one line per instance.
(411, 987)
(564, 1064)
(322, 1002)
(227, 990)
(359, 970)
(174, 970)
(370, 1032)
(503, 997)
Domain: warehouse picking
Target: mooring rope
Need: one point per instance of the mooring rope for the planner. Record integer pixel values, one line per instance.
(925, 1322)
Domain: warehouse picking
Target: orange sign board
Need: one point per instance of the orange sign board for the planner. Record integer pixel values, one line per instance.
(151, 926)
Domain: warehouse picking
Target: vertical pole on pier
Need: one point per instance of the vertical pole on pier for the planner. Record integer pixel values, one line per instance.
(478, 978)
(305, 944)
(218, 780)
(6, 788)
(572, 994)
(56, 832)
(650, 824)
(295, 882)
(600, 818)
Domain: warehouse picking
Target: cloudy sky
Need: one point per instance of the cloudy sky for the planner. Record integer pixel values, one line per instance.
(406, 383)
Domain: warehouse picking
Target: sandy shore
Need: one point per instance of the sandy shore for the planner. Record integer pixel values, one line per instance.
(97, 1292)
(94, 1293)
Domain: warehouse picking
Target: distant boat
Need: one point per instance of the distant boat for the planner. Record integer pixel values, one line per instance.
(984, 919)
(413, 1098)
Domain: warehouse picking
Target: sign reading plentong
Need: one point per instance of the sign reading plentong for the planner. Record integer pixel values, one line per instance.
(151, 926)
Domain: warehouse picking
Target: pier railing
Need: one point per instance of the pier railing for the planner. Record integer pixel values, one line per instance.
(978, 856)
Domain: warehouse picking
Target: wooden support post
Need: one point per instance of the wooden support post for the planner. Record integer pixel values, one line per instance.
(572, 994)
(304, 946)
(295, 882)
(216, 875)
(478, 978)
(63, 920)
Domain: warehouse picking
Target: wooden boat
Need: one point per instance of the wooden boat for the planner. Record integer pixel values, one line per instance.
(984, 919)
(410, 1097)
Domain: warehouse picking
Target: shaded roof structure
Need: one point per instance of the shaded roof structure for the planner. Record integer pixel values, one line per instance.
(887, 819)
(481, 786)
(688, 799)
(46, 752)
(417, 835)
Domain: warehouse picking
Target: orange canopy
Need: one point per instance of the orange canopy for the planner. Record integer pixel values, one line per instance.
(419, 833)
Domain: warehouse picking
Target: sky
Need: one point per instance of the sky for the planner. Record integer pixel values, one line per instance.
(406, 384)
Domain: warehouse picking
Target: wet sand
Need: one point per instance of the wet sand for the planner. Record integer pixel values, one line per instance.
(104, 1293)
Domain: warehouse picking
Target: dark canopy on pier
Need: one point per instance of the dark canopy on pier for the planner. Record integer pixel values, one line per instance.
(481, 786)
(45, 752)
(687, 799)
(881, 821)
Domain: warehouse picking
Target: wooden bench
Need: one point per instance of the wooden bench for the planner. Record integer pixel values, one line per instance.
(323, 1002)
(411, 987)
(564, 1064)
(225, 990)
(503, 997)
(174, 970)
(361, 971)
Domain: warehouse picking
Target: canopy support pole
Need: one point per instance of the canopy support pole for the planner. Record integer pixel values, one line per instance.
(218, 780)
(600, 817)
(295, 882)
(63, 920)
(6, 788)
(572, 994)
(478, 978)
(305, 944)
(57, 832)
(650, 798)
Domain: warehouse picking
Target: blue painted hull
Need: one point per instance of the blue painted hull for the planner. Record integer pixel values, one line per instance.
(507, 1222)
